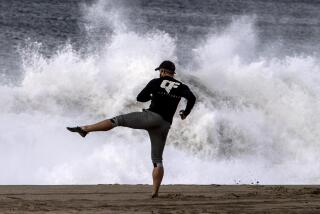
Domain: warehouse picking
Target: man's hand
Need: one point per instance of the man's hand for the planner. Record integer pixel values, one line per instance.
(181, 113)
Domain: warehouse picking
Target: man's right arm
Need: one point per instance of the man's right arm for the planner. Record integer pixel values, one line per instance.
(145, 94)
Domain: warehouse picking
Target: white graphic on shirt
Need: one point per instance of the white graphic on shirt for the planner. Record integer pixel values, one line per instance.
(168, 85)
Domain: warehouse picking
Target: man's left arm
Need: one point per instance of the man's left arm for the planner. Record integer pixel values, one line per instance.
(191, 99)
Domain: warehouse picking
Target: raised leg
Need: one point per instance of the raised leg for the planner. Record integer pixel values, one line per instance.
(104, 125)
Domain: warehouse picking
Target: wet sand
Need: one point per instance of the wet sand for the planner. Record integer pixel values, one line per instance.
(172, 199)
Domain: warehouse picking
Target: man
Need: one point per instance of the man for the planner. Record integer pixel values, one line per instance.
(165, 94)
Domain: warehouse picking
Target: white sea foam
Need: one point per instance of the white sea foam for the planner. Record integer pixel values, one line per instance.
(256, 119)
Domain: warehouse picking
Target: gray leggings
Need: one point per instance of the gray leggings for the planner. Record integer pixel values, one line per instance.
(156, 126)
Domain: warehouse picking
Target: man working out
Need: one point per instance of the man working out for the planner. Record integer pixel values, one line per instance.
(165, 94)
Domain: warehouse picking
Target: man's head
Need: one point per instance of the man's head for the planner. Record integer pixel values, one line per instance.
(166, 68)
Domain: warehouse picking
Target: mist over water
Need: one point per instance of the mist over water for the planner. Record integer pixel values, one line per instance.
(256, 118)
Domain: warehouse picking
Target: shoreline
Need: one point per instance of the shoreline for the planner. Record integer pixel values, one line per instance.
(117, 198)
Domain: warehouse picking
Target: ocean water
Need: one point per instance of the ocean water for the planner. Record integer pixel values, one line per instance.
(253, 65)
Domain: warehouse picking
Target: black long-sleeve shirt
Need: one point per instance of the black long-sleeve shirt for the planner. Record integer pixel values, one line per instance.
(165, 94)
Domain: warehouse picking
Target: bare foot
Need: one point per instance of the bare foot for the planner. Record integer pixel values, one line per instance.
(79, 130)
(154, 195)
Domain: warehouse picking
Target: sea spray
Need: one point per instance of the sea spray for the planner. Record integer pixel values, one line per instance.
(256, 119)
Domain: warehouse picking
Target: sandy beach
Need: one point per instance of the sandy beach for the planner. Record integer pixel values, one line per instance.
(172, 199)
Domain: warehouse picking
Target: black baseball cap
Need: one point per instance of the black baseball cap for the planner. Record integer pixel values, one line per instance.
(168, 65)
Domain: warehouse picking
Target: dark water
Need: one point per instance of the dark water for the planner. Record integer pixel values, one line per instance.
(292, 25)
